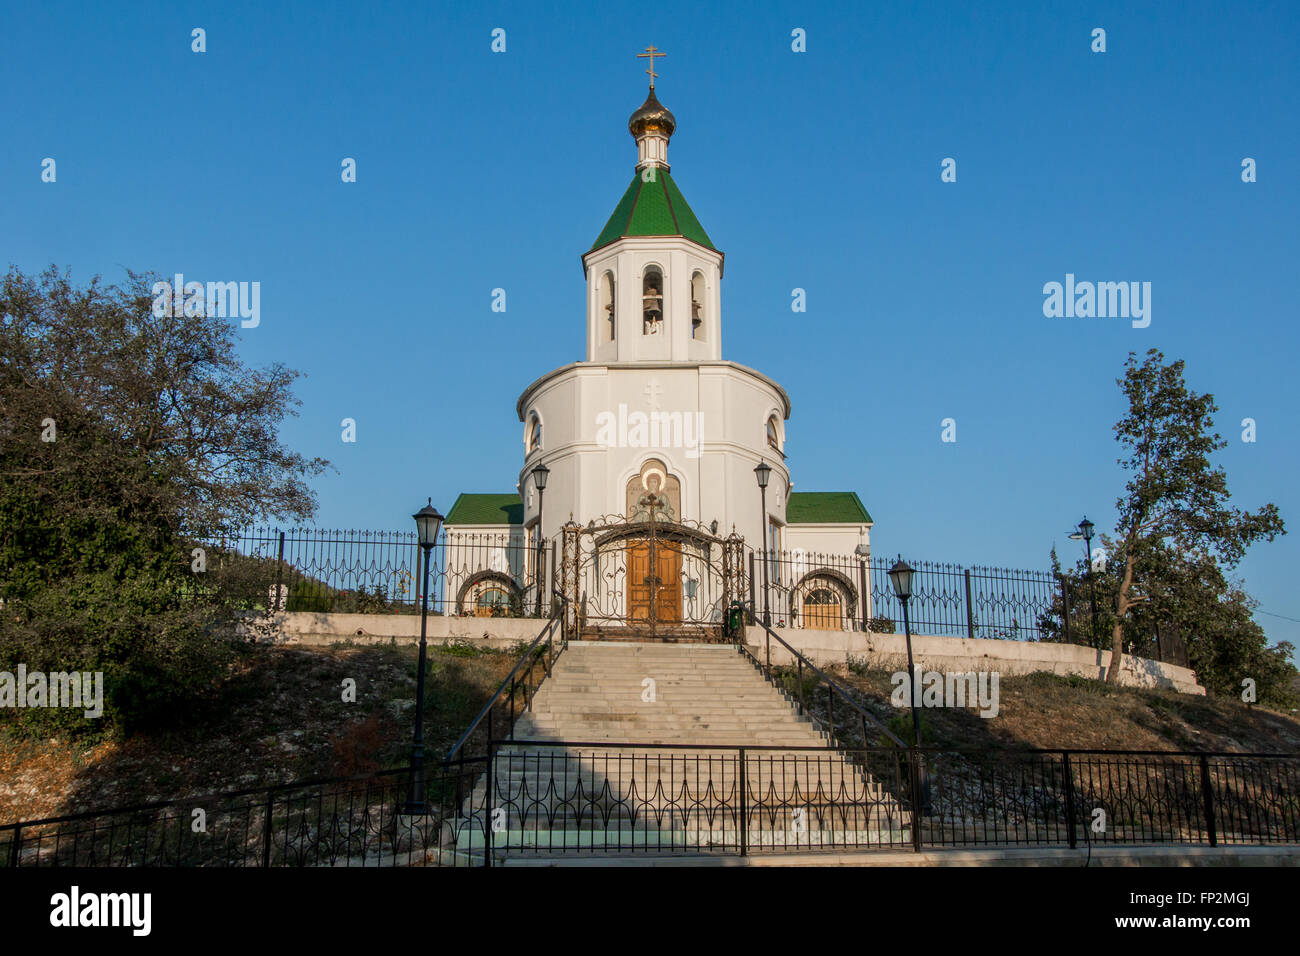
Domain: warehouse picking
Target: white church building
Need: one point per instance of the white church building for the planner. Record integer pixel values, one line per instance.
(650, 444)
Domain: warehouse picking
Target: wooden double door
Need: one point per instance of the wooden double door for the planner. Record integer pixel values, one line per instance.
(655, 581)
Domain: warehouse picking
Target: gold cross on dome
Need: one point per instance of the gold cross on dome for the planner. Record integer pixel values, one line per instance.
(651, 52)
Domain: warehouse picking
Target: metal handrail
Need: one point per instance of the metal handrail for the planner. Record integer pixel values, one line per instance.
(529, 657)
(832, 685)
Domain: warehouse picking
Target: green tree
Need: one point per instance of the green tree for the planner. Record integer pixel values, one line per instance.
(1175, 501)
(1190, 602)
(126, 438)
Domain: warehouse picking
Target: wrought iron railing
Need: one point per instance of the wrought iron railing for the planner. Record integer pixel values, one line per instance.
(490, 574)
(565, 798)
(352, 821)
(502, 574)
(541, 653)
(804, 672)
(822, 591)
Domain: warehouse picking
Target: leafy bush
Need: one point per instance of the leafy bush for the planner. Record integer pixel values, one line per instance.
(160, 437)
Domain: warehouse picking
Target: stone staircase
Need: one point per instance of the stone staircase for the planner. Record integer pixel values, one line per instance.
(628, 782)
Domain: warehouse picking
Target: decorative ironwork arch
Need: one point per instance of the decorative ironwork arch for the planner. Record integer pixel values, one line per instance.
(653, 574)
(819, 578)
(498, 578)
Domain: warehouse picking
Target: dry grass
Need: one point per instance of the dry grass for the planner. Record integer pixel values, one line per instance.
(280, 717)
(1051, 711)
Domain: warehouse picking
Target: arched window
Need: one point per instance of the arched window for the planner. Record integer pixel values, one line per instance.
(606, 302)
(491, 602)
(773, 434)
(534, 441)
(697, 306)
(652, 302)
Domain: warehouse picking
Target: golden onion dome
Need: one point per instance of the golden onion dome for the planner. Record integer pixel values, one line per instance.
(651, 117)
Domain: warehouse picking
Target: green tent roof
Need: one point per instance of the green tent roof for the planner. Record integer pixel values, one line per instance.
(825, 507)
(653, 208)
(486, 509)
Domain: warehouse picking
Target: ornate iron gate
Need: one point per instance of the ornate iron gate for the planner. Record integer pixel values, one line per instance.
(651, 577)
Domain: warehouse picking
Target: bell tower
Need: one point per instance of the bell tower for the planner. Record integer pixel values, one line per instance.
(653, 274)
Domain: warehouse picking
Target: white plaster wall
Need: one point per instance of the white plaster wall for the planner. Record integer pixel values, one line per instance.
(678, 259)
(588, 479)
(840, 540)
(306, 627)
(889, 651)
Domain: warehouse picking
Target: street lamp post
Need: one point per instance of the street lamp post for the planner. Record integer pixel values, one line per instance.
(428, 522)
(763, 471)
(540, 474)
(1085, 532)
(900, 576)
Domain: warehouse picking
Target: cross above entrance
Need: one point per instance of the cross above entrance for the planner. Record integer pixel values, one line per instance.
(651, 52)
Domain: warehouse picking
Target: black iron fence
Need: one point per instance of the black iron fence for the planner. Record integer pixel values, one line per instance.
(337, 822)
(380, 572)
(562, 798)
(1083, 612)
(508, 574)
(826, 591)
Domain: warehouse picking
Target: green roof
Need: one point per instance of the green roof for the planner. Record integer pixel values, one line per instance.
(825, 507)
(653, 208)
(486, 509)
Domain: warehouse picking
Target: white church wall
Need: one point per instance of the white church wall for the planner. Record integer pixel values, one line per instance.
(677, 260)
(474, 549)
(803, 543)
(838, 539)
(727, 407)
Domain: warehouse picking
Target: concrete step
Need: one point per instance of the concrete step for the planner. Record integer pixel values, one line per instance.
(653, 797)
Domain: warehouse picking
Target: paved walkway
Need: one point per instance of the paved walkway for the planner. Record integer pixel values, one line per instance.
(1110, 856)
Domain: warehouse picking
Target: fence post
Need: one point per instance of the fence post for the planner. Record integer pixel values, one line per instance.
(862, 593)
(744, 808)
(487, 803)
(1065, 606)
(13, 847)
(279, 569)
(913, 761)
(1069, 798)
(540, 573)
(266, 830)
(550, 587)
(970, 612)
(752, 615)
(1207, 793)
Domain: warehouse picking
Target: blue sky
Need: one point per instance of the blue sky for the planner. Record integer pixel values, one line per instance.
(818, 170)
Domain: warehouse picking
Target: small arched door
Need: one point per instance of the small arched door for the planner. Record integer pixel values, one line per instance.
(821, 610)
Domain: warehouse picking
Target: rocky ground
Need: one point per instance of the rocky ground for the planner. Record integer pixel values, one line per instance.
(281, 717)
(1051, 711)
